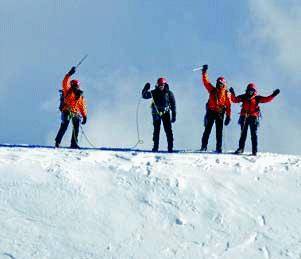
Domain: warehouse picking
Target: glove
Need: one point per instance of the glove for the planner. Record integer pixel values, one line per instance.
(231, 90)
(84, 120)
(205, 68)
(276, 92)
(146, 87)
(173, 118)
(72, 71)
(227, 120)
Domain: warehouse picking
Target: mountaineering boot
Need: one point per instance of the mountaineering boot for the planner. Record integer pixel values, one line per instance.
(239, 151)
(170, 147)
(203, 149)
(74, 146)
(218, 151)
(155, 149)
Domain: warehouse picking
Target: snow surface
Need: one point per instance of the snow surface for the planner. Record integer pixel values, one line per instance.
(107, 204)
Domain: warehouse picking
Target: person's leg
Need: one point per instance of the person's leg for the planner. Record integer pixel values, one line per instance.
(244, 124)
(74, 138)
(207, 131)
(254, 138)
(62, 130)
(156, 133)
(219, 123)
(168, 130)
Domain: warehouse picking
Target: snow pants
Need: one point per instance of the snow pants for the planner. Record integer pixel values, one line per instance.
(245, 123)
(212, 117)
(65, 117)
(165, 118)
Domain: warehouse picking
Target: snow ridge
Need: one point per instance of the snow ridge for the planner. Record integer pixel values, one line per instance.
(116, 204)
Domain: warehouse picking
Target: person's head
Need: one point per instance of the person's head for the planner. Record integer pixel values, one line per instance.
(75, 88)
(74, 84)
(220, 82)
(161, 83)
(251, 90)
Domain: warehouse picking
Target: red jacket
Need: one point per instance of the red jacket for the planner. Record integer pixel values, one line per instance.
(219, 98)
(250, 106)
(71, 103)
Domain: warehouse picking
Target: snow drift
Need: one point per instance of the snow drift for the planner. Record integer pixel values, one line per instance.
(107, 204)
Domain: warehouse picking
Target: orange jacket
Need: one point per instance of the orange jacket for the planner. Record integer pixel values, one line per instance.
(250, 106)
(219, 98)
(76, 106)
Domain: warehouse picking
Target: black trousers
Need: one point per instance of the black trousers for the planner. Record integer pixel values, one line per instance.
(245, 123)
(210, 118)
(165, 118)
(65, 117)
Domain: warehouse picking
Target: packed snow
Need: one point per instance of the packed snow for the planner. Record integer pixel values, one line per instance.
(92, 204)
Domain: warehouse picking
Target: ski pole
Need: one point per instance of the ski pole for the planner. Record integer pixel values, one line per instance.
(81, 61)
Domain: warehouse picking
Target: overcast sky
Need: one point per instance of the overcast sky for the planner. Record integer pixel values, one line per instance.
(132, 42)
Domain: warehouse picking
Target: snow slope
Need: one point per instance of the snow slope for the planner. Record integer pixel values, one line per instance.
(108, 204)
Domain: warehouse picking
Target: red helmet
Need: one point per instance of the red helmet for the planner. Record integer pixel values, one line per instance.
(251, 87)
(74, 83)
(221, 80)
(161, 81)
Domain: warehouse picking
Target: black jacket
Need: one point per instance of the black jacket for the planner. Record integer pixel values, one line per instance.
(163, 101)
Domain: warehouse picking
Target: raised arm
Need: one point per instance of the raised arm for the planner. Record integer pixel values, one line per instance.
(235, 99)
(145, 92)
(205, 78)
(66, 80)
(266, 99)
(228, 105)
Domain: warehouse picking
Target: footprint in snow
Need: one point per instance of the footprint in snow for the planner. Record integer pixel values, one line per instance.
(179, 221)
(148, 168)
(158, 158)
(9, 256)
(122, 157)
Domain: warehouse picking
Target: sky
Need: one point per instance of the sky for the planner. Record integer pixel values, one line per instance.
(133, 42)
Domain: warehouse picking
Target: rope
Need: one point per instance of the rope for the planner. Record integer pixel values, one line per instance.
(139, 140)
(86, 137)
(82, 134)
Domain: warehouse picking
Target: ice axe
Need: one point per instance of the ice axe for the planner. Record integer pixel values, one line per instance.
(197, 69)
(81, 61)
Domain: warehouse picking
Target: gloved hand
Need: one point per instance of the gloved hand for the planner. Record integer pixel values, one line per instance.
(173, 118)
(146, 87)
(205, 68)
(72, 71)
(276, 92)
(231, 90)
(227, 120)
(84, 120)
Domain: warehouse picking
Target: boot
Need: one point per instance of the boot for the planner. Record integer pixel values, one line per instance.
(219, 150)
(74, 146)
(203, 149)
(170, 148)
(155, 149)
(239, 151)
